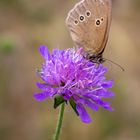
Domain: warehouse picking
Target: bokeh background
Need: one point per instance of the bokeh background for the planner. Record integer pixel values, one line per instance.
(27, 24)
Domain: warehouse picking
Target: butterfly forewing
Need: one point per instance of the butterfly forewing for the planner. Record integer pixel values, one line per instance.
(89, 24)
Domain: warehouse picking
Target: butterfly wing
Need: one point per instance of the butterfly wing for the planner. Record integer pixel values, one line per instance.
(89, 24)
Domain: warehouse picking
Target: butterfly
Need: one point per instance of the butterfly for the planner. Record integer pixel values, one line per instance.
(89, 24)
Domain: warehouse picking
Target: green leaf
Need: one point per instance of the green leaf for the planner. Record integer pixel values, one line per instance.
(73, 105)
(58, 100)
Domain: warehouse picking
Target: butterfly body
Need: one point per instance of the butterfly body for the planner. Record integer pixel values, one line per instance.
(89, 24)
(95, 58)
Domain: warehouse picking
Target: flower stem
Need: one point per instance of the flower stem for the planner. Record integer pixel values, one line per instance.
(59, 122)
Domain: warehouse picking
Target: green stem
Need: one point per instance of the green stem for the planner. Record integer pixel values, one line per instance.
(59, 122)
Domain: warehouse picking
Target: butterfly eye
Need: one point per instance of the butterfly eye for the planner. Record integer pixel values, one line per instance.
(98, 22)
(82, 18)
(76, 22)
(88, 13)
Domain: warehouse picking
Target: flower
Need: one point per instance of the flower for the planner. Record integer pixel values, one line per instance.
(69, 77)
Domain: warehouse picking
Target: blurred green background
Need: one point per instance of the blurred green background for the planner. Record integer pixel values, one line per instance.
(27, 24)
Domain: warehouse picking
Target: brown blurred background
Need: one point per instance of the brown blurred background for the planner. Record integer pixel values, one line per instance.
(27, 24)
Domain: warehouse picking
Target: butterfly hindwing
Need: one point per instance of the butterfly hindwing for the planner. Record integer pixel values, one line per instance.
(89, 24)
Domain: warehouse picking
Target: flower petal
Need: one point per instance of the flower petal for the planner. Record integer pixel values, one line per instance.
(41, 96)
(100, 102)
(83, 113)
(92, 105)
(45, 52)
(107, 84)
(88, 103)
(42, 86)
(109, 108)
(104, 93)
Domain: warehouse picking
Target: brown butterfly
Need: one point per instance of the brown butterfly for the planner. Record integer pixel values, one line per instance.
(89, 24)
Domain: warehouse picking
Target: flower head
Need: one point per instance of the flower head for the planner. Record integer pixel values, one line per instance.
(68, 76)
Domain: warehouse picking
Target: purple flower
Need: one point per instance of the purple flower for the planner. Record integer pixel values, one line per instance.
(68, 77)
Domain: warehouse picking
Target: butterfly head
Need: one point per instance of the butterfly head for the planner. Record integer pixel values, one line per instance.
(95, 58)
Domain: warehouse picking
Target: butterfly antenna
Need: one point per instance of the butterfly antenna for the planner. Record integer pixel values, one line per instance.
(116, 64)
